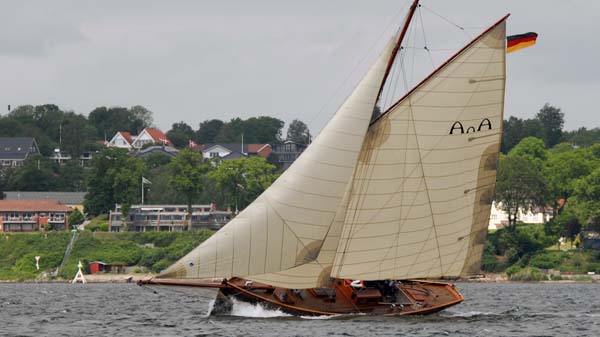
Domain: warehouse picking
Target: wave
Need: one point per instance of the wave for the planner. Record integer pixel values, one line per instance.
(244, 309)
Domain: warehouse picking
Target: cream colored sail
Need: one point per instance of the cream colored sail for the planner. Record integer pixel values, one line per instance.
(286, 225)
(425, 179)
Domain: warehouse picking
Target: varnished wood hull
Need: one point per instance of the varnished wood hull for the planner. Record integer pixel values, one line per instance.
(409, 297)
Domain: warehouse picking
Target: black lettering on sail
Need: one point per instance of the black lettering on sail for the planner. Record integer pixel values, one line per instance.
(457, 126)
(471, 129)
(485, 122)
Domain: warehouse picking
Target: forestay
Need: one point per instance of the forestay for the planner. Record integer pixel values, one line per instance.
(425, 179)
(286, 225)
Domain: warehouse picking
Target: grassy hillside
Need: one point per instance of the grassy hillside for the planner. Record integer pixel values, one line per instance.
(152, 251)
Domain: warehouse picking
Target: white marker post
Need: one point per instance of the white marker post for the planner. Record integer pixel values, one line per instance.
(79, 277)
(37, 262)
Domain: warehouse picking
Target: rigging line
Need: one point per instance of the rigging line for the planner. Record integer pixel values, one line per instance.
(425, 38)
(358, 64)
(443, 17)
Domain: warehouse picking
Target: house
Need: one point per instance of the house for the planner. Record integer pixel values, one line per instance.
(150, 136)
(225, 150)
(286, 153)
(32, 215)
(15, 150)
(60, 157)
(70, 199)
(143, 218)
(499, 218)
(164, 149)
(122, 140)
(125, 140)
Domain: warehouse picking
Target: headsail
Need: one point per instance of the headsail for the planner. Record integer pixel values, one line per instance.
(425, 179)
(286, 225)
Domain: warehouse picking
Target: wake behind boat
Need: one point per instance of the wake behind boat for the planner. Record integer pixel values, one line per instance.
(393, 202)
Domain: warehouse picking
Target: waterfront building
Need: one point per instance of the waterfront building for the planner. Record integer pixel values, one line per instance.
(170, 218)
(33, 215)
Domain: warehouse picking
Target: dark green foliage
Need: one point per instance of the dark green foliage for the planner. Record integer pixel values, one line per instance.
(115, 177)
(550, 259)
(208, 131)
(107, 121)
(552, 121)
(298, 132)
(76, 218)
(547, 125)
(180, 135)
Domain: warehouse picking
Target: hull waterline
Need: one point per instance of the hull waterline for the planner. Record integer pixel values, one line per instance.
(383, 298)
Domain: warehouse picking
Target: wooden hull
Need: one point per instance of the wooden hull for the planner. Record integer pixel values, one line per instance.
(407, 297)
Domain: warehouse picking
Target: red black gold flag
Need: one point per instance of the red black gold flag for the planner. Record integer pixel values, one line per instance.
(516, 42)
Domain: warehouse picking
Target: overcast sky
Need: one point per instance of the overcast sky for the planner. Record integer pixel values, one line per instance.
(196, 60)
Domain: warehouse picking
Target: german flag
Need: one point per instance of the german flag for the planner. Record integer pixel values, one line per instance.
(516, 42)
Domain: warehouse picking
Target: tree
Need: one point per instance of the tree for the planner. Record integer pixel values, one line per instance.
(552, 121)
(585, 201)
(515, 129)
(520, 185)
(77, 134)
(231, 132)
(531, 147)
(76, 218)
(562, 171)
(141, 118)
(37, 174)
(180, 134)
(156, 160)
(187, 175)
(243, 180)
(208, 131)
(115, 177)
(298, 132)
(263, 130)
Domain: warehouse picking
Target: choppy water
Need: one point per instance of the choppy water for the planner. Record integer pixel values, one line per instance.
(129, 310)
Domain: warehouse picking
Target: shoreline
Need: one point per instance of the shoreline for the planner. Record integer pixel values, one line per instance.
(486, 278)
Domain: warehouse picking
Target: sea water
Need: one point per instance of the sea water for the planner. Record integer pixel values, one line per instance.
(493, 309)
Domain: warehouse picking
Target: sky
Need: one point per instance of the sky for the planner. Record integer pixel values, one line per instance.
(196, 60)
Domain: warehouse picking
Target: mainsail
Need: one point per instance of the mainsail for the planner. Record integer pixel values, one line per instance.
(420, 197)
(286, 225)
(425, 179)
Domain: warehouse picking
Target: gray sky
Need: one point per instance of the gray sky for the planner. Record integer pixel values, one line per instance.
(197, 60)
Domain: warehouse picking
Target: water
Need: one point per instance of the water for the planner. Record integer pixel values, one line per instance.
(128, 310)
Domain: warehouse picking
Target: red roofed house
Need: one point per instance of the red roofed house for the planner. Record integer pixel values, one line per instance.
(31, 215)
(122, 139)
(150, 136)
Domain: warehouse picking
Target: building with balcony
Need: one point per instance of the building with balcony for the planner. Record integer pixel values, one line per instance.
(33, 215)
(286, 153)
(143, 218)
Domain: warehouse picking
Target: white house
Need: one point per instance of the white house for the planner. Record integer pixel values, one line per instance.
(122, 139)
(499, 218)
(125, 140)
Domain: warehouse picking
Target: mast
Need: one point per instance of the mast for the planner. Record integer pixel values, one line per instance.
(409, 16)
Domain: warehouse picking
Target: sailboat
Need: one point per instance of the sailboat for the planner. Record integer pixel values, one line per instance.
(376, 209)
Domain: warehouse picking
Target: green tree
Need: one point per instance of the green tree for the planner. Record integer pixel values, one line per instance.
(552, 121)
(208, 131)
(37, 174)
(156, 160)
(76, 218)
(562, 171)
(520, 185)
(187, 175)
(77, 134)
(298, 132)
(180, 134)
(231, 132)
(585, 201)
(531, 147)
(243, 180)
(115, 177)
(107, 121)
(71, 177)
